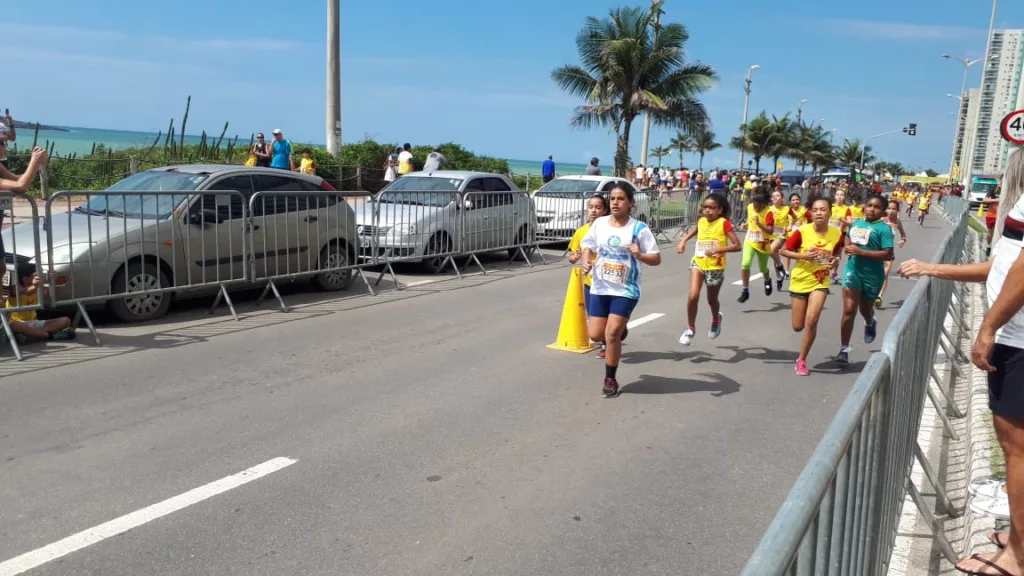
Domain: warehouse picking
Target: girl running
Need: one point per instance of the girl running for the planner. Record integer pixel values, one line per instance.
(923, 205)
(758, 241)
(816, 248)
(892, 218)
(597, 206)
(869, 243)
(614, 248)
(841, 217)
(799, 219)
(715, 237)
(782, 220)
(857, 209)
(911, 198)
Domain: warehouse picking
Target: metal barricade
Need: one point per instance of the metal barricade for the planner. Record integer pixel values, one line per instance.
(297, 235)
(842, 514)
(411, 226)
(134, 249)
(22, 258)
(559, 214)
(495, 222)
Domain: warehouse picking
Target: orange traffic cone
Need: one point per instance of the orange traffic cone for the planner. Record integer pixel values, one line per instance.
(572, 330)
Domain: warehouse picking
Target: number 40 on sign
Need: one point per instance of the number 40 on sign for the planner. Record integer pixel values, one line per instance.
(1012, 128)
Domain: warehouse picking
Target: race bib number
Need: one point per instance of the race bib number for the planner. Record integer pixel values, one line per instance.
(821, 256)
(779, 231)
(836, 223)
(704, 246)
(613, 273)
(860, 236)
(755, 236)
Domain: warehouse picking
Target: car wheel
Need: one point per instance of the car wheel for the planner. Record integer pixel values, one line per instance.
(334, 255)
(439, 243)
(521, 238)
(137, 277)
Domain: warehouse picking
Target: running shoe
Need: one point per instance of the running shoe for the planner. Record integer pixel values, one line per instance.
(780, 277)
(801, 368)
(744, 296)
(65, 334)
(878, 304)
(687, 338)
(716, 328)
(767, 286)
(987, 489)
(870, 331)
(610, 389)
(601, 352)
(843, 357)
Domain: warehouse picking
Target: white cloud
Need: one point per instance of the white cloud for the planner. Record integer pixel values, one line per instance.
(898, 30)
(25, 33)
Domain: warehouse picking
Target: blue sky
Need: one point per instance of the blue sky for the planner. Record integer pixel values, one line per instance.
(478, 73)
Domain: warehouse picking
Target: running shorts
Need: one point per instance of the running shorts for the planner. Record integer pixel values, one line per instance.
(748, 258)
(711, 277)
(1006, 384)
(603, 306)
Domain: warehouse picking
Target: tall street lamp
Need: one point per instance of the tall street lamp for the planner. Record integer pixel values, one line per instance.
(656, 9)
(746, 107)
(799, 110)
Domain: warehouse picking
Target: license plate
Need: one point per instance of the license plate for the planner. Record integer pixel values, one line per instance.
(366, 242)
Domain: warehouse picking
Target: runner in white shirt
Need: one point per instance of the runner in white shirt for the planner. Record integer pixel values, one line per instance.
(614, 248)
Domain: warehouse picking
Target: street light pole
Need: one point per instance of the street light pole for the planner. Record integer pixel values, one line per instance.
(799, 110)
(864, 145)
(746, 108)
(656, 8)
(981, 92)
(967, 63)
(334, 78)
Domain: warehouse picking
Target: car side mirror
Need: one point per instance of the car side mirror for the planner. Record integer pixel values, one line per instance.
(206, 216)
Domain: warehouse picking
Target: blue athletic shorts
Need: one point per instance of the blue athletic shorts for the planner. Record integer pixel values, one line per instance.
(586, 299)
(603, 306)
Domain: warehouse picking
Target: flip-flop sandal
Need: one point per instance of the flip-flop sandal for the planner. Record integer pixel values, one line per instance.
(994, 535)
(1000, 571)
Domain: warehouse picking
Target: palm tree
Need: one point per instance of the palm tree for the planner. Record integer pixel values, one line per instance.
(682, 143)
(703, 143)
(785, 141)
(660, 152)
(813, 146)
(852, 152)
(629, 68)
(759, 139)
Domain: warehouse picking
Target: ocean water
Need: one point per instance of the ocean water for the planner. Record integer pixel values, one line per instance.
(80, 141)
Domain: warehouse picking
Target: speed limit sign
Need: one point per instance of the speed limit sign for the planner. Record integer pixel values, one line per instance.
(1012, 127)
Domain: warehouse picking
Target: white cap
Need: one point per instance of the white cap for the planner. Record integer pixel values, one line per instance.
(277, 131)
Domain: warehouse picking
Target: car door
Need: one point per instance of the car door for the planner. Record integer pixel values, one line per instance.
(281, 243)
(471, 218)
(501, 217)
(216, 251)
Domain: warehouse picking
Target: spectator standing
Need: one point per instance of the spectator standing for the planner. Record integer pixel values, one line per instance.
(405, 160)
(10, 182)
(281, 152)
(391, 166)
(260, 151)
(594, 169)
(434, 161)
(547, 170)
(7, 134)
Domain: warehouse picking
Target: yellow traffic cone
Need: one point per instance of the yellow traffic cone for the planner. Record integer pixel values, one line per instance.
(572, 330)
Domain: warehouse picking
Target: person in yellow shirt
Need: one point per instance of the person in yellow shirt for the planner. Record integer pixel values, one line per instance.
(597, 206)
(760, 225)
(24, 322)
(911, 199)
(782, 221)
(841, 217)
(800, 217)
(857, 209)
(715, 238)
(307, 165)
(815, 247)
(924, 204)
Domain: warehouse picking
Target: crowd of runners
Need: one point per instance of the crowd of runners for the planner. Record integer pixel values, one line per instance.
(805, 240)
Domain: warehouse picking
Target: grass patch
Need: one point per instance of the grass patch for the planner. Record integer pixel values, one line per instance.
(974, 224)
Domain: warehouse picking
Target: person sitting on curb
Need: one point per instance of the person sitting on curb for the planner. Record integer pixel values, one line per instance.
(24, 322)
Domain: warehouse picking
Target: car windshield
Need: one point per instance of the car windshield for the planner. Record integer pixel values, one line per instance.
(982, 187)
(567, 188)
(144, 206)
(420, 190)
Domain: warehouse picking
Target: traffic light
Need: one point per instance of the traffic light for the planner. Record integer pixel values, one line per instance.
(911, 130)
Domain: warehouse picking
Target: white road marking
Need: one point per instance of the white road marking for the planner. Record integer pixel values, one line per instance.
(643, 320)
(752, 278)
(97, 534)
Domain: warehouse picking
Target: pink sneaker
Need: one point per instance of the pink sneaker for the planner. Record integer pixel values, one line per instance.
(801, 368)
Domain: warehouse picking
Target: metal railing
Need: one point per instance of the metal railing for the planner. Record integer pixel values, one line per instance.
(842, 514)
(15, 298)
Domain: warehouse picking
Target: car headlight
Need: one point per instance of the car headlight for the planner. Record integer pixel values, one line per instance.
(63, 255)
(404, 229)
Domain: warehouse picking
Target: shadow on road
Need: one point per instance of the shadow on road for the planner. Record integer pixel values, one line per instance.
(717, 384)
(776, 307)
(642, 357)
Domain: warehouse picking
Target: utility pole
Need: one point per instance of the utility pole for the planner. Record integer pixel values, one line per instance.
(746, 108)
(334, 78)
(656, 9)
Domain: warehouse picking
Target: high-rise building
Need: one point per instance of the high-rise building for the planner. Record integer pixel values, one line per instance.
(1001, 91)
(963, 151)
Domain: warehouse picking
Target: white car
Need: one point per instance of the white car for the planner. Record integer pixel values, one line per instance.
(561, 204)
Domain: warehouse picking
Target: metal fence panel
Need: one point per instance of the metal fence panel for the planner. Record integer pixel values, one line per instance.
(22, 247)
(496, 221)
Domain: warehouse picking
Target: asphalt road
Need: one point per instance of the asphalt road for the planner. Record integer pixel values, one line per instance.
(427, 431)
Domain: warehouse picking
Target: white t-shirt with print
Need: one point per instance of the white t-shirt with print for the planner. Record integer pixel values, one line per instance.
(1004, 254)
(616, 272)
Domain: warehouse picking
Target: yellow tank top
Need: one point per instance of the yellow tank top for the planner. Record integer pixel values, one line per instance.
(755, 236)
(575, 244)
(782, 220)
(711, 235)
(857, 211)
(811, 275)
(799, 218)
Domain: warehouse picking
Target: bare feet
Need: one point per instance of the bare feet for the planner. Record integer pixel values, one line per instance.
(989, 564)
